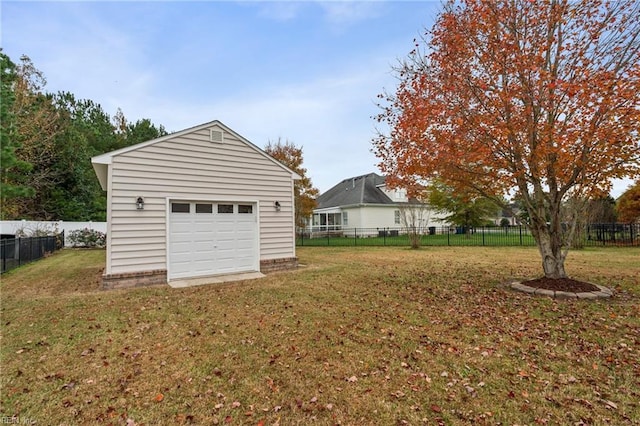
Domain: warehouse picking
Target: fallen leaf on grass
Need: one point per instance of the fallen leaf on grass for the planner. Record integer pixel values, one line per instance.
(398, 394)
(271, 384)
(159, 397)
(68, 386)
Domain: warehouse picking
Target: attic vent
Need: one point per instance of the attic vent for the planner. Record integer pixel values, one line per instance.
(216, 136)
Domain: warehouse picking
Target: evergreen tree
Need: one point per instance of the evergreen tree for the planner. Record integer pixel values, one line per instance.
(11, 167)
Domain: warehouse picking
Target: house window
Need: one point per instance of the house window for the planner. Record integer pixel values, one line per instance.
(204, 208)
(245, 208)
(345, 218)
(327, 221)
(180, 207)
(225, 208)
(396, 218)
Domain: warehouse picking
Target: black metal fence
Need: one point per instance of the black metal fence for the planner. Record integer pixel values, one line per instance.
(602, 234)
(18, 251)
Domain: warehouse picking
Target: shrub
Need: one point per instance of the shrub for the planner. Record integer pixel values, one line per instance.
(87, 238)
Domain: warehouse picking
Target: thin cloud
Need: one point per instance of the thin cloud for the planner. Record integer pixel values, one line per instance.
(278, 10)
(350, 12)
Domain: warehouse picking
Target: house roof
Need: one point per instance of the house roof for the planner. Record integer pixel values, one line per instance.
(101, 162)
(363, 189)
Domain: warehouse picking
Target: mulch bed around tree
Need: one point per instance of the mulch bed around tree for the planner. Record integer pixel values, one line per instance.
(561, 284)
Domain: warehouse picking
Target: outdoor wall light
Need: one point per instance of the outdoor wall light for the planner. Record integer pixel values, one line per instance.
(140, 203)
(277, 205)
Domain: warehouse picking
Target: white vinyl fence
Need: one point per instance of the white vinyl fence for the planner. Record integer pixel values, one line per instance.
(28, 227)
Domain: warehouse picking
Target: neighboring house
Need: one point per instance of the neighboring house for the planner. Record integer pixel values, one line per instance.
(199, 202)
(509, 215)
(363, 202)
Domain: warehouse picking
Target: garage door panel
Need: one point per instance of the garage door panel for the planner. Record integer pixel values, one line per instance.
(245, 236)
(210, 243)
(202, 227)
(182, 230)
(181, 247)
(204, 250)
(201, 265)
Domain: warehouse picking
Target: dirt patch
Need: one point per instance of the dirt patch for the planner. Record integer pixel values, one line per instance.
(561, 284)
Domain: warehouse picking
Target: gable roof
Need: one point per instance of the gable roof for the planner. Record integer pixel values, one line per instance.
(363, 189)
(101, 162)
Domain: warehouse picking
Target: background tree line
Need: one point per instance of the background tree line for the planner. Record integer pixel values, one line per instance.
(48, 140)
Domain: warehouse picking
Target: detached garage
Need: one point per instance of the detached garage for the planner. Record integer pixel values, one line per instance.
(198, 203)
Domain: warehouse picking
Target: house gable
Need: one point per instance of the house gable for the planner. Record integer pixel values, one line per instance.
(216, 134)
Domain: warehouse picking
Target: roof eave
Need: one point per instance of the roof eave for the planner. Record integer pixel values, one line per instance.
(102, 172)
(350, 206)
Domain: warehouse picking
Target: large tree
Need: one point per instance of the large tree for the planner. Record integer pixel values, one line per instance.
(36, 128)
(47, 144)
(12, 168)
(540, 97)
(304, 193)
(629, 204)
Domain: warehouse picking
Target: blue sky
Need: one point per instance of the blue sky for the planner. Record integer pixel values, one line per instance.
(306, 71)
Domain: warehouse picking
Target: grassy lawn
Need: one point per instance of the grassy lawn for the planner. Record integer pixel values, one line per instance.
(379, 335)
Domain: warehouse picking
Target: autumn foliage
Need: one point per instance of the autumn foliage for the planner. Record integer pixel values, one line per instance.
(304, 192)
(629, 204)
(536, 98)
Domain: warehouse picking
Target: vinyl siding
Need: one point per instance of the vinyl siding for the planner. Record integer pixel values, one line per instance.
(382, 217)
(190, 167)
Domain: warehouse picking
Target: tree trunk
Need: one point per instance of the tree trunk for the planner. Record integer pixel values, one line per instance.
(550, 247)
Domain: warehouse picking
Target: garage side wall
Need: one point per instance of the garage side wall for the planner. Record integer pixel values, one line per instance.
(191, 166)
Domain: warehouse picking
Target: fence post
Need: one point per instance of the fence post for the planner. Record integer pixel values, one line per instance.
(520, 229)
(355, 236)
(448, 235)
(483, 236)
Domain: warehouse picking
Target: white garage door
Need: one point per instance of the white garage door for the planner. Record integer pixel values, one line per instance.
(211, 238)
